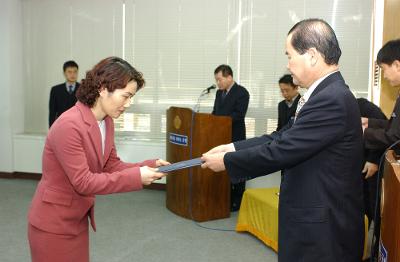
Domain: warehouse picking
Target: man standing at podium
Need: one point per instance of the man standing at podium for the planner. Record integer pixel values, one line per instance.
(232, 100)
(321, 211)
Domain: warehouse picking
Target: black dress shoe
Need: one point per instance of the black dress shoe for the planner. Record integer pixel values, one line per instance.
(235, 207)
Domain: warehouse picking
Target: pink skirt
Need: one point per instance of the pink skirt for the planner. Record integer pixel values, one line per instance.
(47, 246)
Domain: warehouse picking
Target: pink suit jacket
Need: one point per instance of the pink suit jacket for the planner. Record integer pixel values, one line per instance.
(75, 170)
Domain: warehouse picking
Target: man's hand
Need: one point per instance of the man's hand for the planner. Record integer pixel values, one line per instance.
(149, 174)
(364, 123)
(215, 162)
(370, 169)
(222, 149)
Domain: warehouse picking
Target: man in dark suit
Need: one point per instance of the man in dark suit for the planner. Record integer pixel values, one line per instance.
(287, 107)
(232, 100)
(62, 96)
(379, 134)
(371, 159)
(321, 213)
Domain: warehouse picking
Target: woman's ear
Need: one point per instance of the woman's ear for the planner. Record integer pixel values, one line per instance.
(103, 91)
(396, 65)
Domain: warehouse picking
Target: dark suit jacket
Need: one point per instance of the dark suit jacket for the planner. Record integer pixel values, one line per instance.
(370, 110)
(321, 199)
(234, 105)
(285, 112)
(380, 134)
(60, 101)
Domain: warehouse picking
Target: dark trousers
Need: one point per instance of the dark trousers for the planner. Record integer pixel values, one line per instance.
(370, 186)
(370, 202)
(237, 191)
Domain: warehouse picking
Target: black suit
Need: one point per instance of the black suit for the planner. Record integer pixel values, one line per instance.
(235, 105)
(380, 133)
(285, 113)
(60, 101)
(370, 110)
(321, 214)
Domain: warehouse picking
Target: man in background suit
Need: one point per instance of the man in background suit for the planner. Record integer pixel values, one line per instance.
(370, 170)
(232, 100)
(379, 134)
(371, 159)
(287, 107)
(321, 214)
(62, 96)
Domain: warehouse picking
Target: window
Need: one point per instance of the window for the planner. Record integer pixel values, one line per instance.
(177, 45)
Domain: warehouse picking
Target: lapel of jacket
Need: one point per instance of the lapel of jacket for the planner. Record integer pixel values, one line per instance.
(93, 130)
(230, 93)
(296, 101)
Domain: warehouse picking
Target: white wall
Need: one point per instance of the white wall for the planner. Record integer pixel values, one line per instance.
(37, 36)
(11, 75)
(28, 156)
(28, 150)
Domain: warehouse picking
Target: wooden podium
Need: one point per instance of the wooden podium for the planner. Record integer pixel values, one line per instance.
(390, 209)
(196, 193)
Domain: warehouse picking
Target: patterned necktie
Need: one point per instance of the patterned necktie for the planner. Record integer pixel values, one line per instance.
(301, 103)
(70, 90)
(224, 94)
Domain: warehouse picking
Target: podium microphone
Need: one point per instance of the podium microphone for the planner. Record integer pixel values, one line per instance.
(206, 91)
(211, 88)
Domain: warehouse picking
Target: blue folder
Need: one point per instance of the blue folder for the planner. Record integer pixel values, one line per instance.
(180, 165)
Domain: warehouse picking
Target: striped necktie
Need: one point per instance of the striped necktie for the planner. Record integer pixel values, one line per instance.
(70, 89)
(301, 103)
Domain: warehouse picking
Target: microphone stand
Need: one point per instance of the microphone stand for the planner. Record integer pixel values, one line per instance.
(196, 107)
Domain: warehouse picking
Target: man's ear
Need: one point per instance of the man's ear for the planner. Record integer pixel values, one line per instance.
(313, 53)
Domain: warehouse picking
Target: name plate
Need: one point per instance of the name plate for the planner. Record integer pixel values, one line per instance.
(178, 139)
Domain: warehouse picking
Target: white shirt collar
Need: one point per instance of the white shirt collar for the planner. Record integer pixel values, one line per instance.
(311, 89)
(229, 89)
(290, 103)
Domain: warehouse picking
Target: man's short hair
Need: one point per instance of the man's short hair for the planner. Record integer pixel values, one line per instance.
(224, 69)
(319, 34)
(389, 53)
(287, 79)
(70, 63)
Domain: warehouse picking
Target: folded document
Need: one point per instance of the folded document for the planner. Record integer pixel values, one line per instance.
(180, 165)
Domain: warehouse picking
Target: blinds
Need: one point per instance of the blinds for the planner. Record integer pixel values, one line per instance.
(177, 45)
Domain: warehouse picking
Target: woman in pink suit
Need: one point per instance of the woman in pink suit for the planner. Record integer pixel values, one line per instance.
(80, 161)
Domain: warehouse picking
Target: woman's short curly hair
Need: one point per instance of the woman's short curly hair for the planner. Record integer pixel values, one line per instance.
(111, 73)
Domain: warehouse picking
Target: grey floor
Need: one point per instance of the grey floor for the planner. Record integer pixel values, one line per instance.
(132, 227)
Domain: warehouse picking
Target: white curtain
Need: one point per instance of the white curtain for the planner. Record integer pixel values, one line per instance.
(177, 44)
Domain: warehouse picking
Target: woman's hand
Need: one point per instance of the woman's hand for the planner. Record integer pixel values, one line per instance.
(149, 174)
(161, 162)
